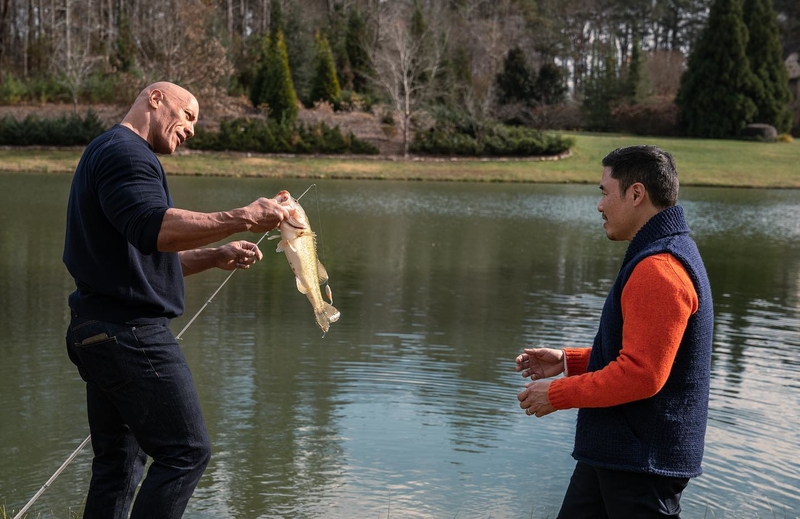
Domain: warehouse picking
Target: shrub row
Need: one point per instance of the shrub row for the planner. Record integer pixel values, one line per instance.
(497, 140)
(67, 130)
(258, 135)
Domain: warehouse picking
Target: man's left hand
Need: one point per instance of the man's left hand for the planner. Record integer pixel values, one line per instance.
(534, 398)
(238, 255)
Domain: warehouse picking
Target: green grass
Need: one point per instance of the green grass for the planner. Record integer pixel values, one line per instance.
(700, 163)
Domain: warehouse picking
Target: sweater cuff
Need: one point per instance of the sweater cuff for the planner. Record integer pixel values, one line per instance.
(575, 361)
(558, 394)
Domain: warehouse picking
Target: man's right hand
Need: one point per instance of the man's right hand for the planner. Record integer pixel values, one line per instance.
(267, 213)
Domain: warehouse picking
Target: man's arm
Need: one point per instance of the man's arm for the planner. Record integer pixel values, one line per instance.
(183, 230)
(657, 301)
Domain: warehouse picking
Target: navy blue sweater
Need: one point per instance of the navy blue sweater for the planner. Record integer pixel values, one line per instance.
(663, 434)
(116, 205)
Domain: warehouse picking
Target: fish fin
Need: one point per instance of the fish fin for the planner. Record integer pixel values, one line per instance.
(325, 316)
(291, 246)
(328, 293)
(280, 246)
(322, 274)
(300, 286)
(274, 237)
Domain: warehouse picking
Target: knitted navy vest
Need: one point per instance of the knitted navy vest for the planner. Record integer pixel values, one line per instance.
(663, 434)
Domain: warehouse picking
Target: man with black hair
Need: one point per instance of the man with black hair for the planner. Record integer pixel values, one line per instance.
(642, 388)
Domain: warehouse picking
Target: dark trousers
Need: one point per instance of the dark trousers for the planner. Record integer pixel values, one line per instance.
(597, 493)
(141, 402)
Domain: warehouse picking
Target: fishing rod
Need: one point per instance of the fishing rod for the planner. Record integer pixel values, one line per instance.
(177, 337)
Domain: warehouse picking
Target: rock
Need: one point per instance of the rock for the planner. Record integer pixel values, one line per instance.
(760, 132)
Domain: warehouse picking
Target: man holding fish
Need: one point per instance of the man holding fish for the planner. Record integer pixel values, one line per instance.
(128, 250)
(642, 388)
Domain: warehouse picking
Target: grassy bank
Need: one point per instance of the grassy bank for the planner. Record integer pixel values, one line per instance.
(700, 162)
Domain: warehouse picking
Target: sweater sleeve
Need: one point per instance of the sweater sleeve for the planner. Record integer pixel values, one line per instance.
(657, 301)
(131, 193)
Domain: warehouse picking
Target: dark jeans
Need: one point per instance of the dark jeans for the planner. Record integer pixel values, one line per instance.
(596, 493)
(141, 402)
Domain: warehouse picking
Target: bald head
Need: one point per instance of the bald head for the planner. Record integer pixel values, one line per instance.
(163, 114)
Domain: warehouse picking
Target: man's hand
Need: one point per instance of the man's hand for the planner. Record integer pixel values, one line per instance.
(539, 363)
(266, 214)
(238, 255)
(534, 398)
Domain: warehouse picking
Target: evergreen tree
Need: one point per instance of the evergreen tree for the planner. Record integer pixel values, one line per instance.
(714, 97)
(275, 19)
(600, 92)
(420, 33)
(550, 87)
(124, 55)
(634, 86)
(300, 48)
(355, 41)
(325, 85)
(517, 81)
(260, 75)
(766, 61)
(276, 87)
(337, 37)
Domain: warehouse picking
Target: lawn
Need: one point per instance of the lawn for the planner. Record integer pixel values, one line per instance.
(700, 162)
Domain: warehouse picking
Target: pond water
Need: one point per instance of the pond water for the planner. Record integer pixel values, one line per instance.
(407, 408)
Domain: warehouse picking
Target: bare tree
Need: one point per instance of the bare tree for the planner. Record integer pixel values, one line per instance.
(406, 63)
(74, 60)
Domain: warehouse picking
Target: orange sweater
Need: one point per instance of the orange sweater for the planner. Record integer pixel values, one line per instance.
(657, 301)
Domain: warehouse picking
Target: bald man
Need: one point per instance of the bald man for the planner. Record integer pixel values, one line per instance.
(128, 250)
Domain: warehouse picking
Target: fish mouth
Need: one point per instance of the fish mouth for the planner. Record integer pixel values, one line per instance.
(283, 197)
(291, 222)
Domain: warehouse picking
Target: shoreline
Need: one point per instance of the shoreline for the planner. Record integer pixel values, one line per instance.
(701, 163)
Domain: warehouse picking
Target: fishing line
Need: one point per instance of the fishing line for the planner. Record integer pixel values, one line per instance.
(177, 337)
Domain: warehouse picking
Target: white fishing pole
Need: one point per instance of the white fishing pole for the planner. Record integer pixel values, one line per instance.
(178, 337)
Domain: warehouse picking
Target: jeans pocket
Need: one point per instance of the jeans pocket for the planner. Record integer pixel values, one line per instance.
(102, 360)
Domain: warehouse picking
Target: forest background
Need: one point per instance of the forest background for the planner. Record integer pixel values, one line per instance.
(456, 67)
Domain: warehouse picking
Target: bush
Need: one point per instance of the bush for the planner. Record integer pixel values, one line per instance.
(11, 90)
(67, 130)
(655, 117)
(260, 136)
(497, 140)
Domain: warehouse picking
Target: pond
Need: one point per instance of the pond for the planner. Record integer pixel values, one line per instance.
(407, 407)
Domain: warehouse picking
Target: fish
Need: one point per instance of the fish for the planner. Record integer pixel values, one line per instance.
(298, 243)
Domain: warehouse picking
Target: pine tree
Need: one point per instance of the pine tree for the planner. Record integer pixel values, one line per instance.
(337, 39)
(550, 87)
(601, 90)
(124, 55)
(635, 85)
(766, 61)
(277, 89)
(325, 85)
(275, 19)
(355, 40)
(300, 49)
(420, 33)
(260, 75)
(516, 82)
(714, 98)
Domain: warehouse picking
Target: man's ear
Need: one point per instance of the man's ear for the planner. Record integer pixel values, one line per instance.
(156, 96)
(638, 192)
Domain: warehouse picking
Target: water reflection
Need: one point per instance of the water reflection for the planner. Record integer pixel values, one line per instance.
(407, 408)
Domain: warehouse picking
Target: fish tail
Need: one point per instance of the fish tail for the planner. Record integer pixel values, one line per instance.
(326, 315)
